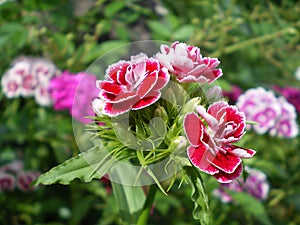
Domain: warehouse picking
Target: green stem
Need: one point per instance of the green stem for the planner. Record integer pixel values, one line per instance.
(256, 40)
(147, 206)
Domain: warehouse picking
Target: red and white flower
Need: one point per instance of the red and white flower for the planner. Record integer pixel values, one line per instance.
(132, 84)
(211, 136)
(187, 64)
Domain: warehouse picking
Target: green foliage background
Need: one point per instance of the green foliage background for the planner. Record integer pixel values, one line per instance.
(257, 42)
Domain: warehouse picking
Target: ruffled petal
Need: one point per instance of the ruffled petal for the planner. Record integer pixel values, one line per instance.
(225, 162)
(223, 177)
(192, 128)
(148, 100)
(242, 152)
(199, 157)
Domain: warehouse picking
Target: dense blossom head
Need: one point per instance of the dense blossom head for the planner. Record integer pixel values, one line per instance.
(187, 64)
(211, 136)
(86, 91)
(261, 106)
(62, 90)
(132, 85)
(272, 114)
(74, 92)
(256, 185)
(27, 77)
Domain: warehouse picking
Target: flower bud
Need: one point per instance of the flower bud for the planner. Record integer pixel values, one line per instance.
(97, 106)
(190, 105)
(161, 112)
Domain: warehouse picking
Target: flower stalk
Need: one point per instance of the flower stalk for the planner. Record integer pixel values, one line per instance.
(148, 205)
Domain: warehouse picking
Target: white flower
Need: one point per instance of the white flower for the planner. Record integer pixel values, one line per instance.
(42, 95)
(11, 85)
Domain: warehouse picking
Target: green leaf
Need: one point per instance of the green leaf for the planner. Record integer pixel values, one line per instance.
(113, 8)
(183, 33)
(199, 196)
(160, 30)
(130, 199)
(91, 164)
(252, 206)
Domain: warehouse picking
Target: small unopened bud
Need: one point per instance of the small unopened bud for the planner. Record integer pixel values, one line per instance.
(161, 112)
(190, 105)
(97, 105)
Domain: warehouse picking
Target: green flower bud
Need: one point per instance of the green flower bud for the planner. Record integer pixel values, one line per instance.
(190, 105)
(162, 113)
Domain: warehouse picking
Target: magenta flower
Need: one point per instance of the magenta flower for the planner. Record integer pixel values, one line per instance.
(211, 137)
(292, 95)
(74, 92)
(133, 84)
(86, 92)
(7, 182)
(233, 94)
(256, 185)
(187, 64)
(24, 180)
(62, 90)
(260, 106)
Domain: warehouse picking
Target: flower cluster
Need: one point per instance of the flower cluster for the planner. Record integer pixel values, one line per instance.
(138, 83)
(255, 185)
(67, 94)
(13, 175)
(29, 76)
(272, 114)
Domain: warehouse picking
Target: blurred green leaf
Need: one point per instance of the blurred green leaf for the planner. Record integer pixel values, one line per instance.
(183, 33)
(113, 8)
(252, 206)
(161, 30)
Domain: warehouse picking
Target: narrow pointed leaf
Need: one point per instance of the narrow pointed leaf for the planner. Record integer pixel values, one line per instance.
(199, 196)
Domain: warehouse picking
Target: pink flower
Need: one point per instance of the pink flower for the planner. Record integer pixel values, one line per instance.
(211, 137)
(256, 185)
(133, 84)
(75, 93)
(187, 63)
(7, 182)
(286, 124)
(260, 106)
(62, 90)
(86, 92)
(24, 180)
